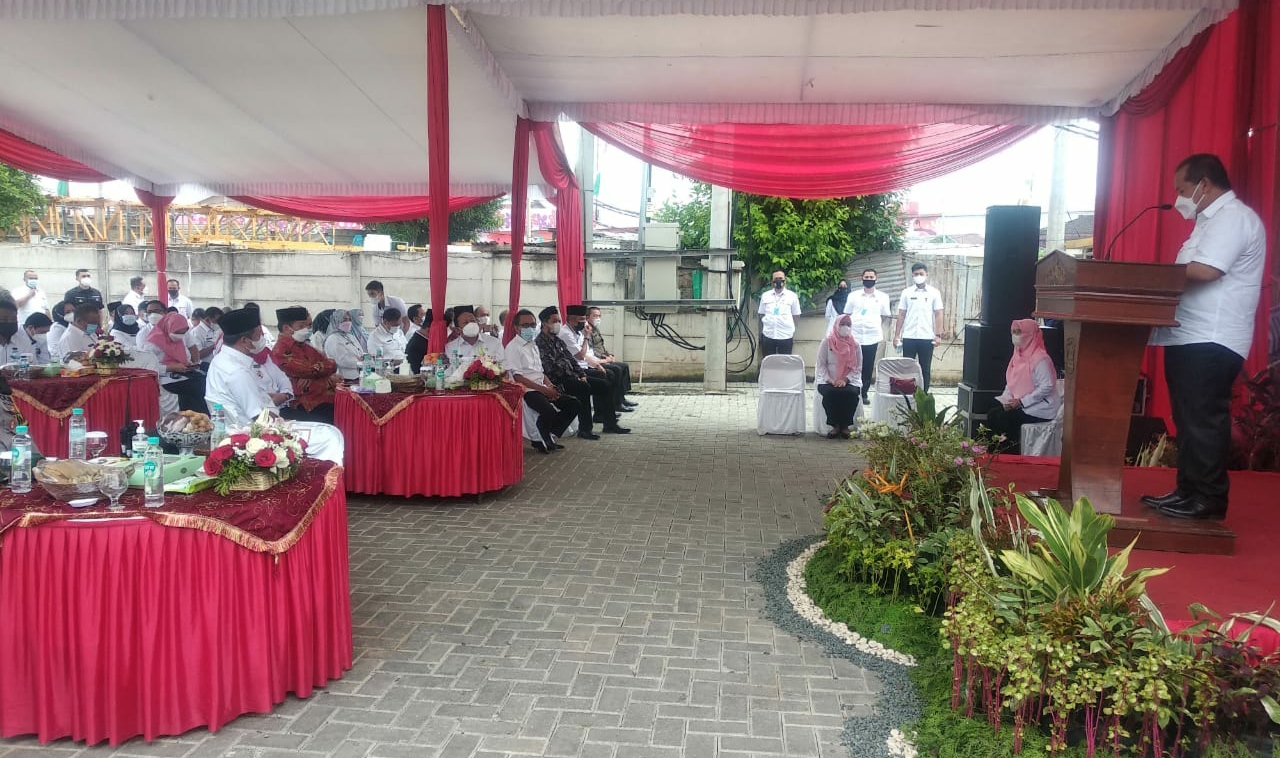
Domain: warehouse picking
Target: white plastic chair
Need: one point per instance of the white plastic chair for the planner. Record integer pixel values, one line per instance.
(1045, 437)
(782, 393)
(884, 406)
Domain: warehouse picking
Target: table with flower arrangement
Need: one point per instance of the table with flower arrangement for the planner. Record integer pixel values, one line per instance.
(150, 622)
(108, 400)
(445, 443)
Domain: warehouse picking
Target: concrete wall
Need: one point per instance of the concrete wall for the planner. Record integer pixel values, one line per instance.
(320, 280)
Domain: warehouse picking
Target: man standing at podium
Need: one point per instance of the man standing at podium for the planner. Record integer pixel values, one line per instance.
(1225, 257)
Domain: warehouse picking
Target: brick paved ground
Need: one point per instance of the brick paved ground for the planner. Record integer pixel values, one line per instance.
(603, 607)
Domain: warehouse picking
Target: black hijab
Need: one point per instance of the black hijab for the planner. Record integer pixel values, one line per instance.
(118, 324)
(839, 298)
(56, 313)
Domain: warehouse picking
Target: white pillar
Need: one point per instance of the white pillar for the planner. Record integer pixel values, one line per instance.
(716, 286)
(1056, 229)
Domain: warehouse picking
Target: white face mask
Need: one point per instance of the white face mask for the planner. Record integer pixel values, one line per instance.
(154, 318)
(302, 335)
(129, 320)
(595, 323)
(41, 339)
(482, 320)
(374, 299)
(471, 330)
(177, 337)
(844, 331)
(1188, 206)
(1017, 340)
(555, 328)
(259, 344)
(86, 281)
(919, 278)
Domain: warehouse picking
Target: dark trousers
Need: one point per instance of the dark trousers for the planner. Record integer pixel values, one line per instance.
(1200, 378)
(593, 390)
(1009, 423)
(554, 416)
(921, 350)
(840, 404)
(322, 414)
(615, 386)
(623, 373)
(190, 392)
(769, 346)
(868, 367)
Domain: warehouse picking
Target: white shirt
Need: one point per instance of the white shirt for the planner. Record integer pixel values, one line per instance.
(389, 302)
(574, 340)
(344, 350)
(124, 338)
(1230, 237)
(467, 353)
(202, 337)
(184, 306)
(918, 306)
(134, 299)
(523, 359)
(866, 312)
(74, 341)
(37, 304)
(147, 347)
(777, 314)
(1043, 402)
(391, 343)
(39, 352)
(824, 370)
(55, 336)
(239, 384)
(144, 328)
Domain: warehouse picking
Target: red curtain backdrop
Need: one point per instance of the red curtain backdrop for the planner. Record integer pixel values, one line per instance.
(788, 160)
(570, 263)
(519, 211)
(159, 205)
(366, 209)
(1203, 102)
(30, 157)
(438, 165)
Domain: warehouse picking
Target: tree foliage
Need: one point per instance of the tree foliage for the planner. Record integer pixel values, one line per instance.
(19, 195)
(464, 225)
(694, 217)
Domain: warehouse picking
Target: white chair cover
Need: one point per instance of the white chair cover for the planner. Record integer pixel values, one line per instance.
(820, 425)
(782, 394)
(529, 425)
(1045, 438)
(884, 406)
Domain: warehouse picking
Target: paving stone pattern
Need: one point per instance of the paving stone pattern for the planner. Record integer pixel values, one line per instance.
(603, 608)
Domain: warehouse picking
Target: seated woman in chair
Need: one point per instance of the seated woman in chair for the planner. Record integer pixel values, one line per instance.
(1031, 387)
(838, 377)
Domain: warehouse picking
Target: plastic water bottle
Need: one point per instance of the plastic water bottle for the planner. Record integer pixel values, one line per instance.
(138, 448)
(381, 364)
(218, 419)
(20, 462)
(24, 366)
(366, 366)
(153, 474)
(77, 428)
(440, 373)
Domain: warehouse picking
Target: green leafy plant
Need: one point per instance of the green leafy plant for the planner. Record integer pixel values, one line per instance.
(1255, 432)
(693, 217)
(464, 225)
(20, 196)
(921, 414)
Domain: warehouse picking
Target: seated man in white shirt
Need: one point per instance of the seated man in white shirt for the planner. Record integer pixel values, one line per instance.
(464, 349)
(267, 336)
(244, 387)
(388, 340)
(556, 411)
(150, 314)
(32, 338)
(206, 335)
(82, 332)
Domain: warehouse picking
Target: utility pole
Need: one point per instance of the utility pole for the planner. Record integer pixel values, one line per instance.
(718, 267)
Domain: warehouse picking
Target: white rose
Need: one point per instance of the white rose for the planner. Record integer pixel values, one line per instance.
(255, 445)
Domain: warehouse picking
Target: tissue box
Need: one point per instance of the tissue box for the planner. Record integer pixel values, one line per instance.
(175, 467)
(190, 485)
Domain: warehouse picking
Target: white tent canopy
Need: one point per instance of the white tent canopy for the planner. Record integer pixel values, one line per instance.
(288, 97)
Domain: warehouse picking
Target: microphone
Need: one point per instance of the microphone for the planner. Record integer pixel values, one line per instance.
(1125, 228)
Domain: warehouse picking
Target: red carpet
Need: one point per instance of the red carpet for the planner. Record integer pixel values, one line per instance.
(1248, 581)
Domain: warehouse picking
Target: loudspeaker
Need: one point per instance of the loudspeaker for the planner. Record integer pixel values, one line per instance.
(987, 350)
(1009, 263)
(974, 404)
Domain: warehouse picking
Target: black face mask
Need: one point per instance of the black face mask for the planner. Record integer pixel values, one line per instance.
(8, 329)
(778, 283)
(842, 288)
(579, 326)
(173, 293)
(868, 283)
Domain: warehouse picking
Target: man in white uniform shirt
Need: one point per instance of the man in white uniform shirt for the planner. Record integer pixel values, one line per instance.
(29, 297)
(180, 301)
(556, 411)
(82, 331)
(920, 320)
(206, 336)
(381, 301)
(468, 345)
(245, 387)
(136, 295)
(778, 309)
(1225, 258)
(870, 311)
(388, 339)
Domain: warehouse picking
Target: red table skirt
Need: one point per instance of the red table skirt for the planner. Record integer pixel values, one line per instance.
(443, 445)
(104, 411)
(110, 630)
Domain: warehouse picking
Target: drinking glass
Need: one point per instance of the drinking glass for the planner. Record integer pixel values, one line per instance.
(96, 442)
(113, 482)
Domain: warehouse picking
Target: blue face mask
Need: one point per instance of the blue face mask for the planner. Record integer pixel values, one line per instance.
(90, 329)
(527, 333)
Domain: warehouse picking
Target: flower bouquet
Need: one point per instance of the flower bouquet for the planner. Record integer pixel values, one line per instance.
(108, 354)
(257, 458)
(484, 373)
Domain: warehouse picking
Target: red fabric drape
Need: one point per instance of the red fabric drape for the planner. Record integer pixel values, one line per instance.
(133, 395)
(570, 264)
(788, 160)
(519, 211)
(372, 209)
(1198, 104)
(159, 205)
(438, 165)
(32, 158)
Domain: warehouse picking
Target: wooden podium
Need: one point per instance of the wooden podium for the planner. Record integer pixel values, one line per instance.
(1108, 309)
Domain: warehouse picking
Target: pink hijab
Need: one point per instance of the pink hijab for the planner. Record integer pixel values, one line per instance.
(848, 353)
(1019, 379)
(174, 351)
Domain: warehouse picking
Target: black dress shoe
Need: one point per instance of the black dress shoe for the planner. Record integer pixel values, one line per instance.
(1160, 501)
(1195, 507)
(615, 429)
(541, 448)
(631, 403)
(625, 409)
(588, 436)
(557, 446)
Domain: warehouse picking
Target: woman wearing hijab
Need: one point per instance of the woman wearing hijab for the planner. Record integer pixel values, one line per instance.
(1031, 387)
(342, 346)
(320, 328)
(124, 326)
(167, 342)
(59, 312)
(838, 377)
(836, 303)
(357, 328)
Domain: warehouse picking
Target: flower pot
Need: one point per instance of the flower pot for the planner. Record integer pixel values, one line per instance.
(259, 481)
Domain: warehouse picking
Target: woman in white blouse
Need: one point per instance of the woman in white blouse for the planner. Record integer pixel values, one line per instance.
(342, 346)
(124, 326)
(837, 375)
(1031, 387)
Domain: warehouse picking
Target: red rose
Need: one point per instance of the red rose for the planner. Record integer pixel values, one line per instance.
(221, 453)
(266, 458)
(212, 466)
(239, 440)
(292, 458)
(271, 437)
(302, 443)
